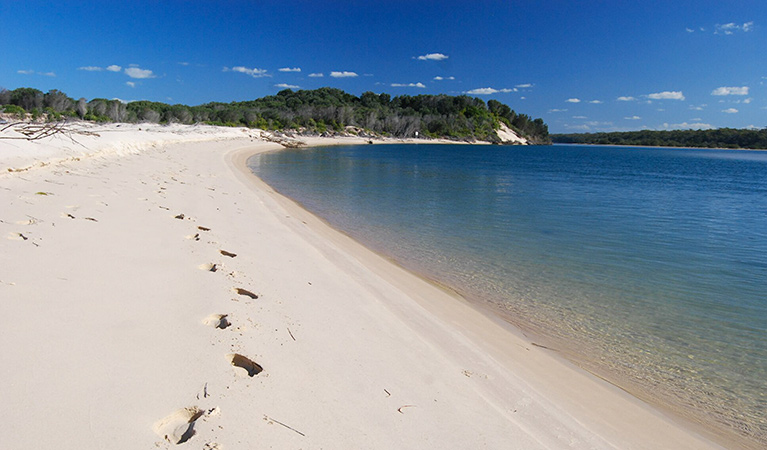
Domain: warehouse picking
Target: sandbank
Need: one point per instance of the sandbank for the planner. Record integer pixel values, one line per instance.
(156, 294)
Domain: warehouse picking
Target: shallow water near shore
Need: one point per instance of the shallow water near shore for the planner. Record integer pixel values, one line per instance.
(645, 265)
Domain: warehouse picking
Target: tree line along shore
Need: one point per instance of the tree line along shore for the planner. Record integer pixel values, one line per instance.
(320, 111)
(729, 138)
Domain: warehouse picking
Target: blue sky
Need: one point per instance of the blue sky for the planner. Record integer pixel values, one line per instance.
(583, 66)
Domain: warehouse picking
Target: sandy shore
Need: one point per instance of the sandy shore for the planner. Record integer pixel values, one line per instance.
(154, 291)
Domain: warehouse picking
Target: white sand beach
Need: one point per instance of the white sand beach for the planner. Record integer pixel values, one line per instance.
(156, 294)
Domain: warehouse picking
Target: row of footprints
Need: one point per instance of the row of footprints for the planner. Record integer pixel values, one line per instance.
(179, 426)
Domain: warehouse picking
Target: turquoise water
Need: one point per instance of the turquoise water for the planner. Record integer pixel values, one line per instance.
(645, 265)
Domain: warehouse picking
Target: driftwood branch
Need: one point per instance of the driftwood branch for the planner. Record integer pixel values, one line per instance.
(37, 131)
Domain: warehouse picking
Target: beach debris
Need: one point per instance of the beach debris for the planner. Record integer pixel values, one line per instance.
(204, 394)
(178, 427)
(541, 346)
(43, 193)
(17, 236)
(399, 410)
(163, 207)
(388, 394)
(90, 218)
(250, 367)
(229, 254)
(291, 334)
(219, 321)
(35, 131)
(180, 217)
(246, 293)
(201, 228)
(270, 420)
(194, 237)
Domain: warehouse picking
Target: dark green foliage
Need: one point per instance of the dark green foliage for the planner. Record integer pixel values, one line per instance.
(27, 98)
(324, 110)
(719, 138)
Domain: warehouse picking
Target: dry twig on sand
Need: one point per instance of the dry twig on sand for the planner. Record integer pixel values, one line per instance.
(36, 131)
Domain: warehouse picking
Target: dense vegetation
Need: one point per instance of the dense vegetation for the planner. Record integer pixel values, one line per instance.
(324, 110)
(720, 138)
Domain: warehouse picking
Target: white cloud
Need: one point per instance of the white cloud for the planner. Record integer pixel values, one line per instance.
(573, 100)
(183, 63)
(689, 30)
(288, 69)
(254, 72)
(633, 118)
(724, 90)
(418, 85)
(732, 28)
(489, 90)
(432, 57)
(577, 127)
(524, 86)
(287, 86)
(730, 110)
(32, 72)
(316, 75)
(135, 72)
(580, 117)
(114, 68)
(667, 95)
(596, 102)
(748, 100)
(131, 84)
(343, 74)
(90, 69)
(557, 110)
(444, 78)
(626, 99)
(689, 126)
(698, 108)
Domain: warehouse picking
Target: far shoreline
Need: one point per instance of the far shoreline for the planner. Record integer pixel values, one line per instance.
(661, 147)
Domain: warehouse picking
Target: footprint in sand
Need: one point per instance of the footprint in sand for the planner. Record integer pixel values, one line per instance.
(244, 365)
(178, 427)
(245, 292)
(209, 267)
(219, 321)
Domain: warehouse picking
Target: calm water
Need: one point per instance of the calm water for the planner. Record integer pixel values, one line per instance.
(647, 265)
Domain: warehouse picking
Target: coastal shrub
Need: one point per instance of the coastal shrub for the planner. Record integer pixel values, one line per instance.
(14, 109)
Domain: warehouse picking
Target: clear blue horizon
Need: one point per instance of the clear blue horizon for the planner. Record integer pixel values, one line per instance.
(581, 66)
